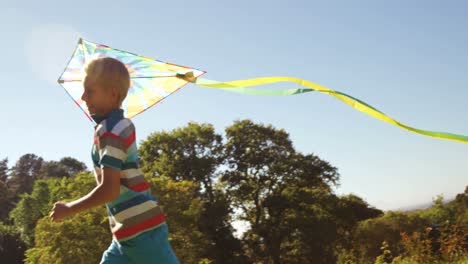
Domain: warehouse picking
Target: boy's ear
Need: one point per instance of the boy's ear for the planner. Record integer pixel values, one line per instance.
(114, 92)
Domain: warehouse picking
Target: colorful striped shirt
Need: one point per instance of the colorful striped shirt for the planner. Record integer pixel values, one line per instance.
(135, 210)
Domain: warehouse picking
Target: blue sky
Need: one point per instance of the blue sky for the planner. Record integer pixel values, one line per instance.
(407, 58)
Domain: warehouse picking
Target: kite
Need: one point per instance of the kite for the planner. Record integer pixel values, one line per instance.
(151, 81)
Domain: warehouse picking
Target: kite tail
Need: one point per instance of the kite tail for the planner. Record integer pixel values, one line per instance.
(240, 86)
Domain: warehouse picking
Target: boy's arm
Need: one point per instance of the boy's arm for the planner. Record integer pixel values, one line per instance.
(106, 191)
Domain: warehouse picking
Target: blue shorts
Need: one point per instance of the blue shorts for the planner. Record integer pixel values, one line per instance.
(149, 247)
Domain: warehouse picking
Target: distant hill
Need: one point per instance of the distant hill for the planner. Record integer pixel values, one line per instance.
(421, 206)
(415, 207)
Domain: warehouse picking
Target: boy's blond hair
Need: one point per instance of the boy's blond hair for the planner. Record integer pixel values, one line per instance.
(110, 74)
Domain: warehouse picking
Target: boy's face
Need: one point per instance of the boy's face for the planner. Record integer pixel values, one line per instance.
(99, 100)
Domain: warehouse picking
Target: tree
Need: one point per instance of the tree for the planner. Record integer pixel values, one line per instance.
(183, 209)
(371, 233)
(354, 209)
(52, 169)
(458, 209)
(194, 153)
(69, 241)
(30, 209)
(11, 246)
(66, 167)
(80, 239)
(4, 170)
(24, 173)
(72, 165)
(285, 196)
(6, 204)
(191, 153)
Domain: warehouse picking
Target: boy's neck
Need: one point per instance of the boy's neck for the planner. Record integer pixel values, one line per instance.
(114, 113)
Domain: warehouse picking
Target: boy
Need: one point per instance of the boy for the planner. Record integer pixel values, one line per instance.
(140, 234)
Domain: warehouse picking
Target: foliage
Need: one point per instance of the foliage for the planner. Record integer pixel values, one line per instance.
(11, 246)
(204, 182)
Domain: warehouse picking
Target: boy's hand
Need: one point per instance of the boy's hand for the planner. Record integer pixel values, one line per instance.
(107, 190)
(60, 211)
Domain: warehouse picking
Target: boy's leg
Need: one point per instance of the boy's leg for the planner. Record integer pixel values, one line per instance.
(150, 247)
(114, 255)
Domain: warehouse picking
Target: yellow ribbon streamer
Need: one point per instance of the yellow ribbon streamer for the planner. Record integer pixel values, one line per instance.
(353, 102)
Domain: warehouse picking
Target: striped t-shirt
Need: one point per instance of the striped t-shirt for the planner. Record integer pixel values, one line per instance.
(135, 210)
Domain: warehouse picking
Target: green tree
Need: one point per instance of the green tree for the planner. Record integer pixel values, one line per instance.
(30, 209)
(37, 205)
(84, 237)
(371, 233)
(386, 256)
(4, 170)
(190, 153)
(183, 209)
(194, 153)
(11, 246)
(6, 203)
(80, 239)
(73, 166)
(23, 174)
(6, 195)
(438, 213)
(353, 209)
(285, 196)
(66, 167)
(458, 210)
(350, 210)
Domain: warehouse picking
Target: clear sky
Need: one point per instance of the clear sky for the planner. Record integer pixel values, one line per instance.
(407, 58)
